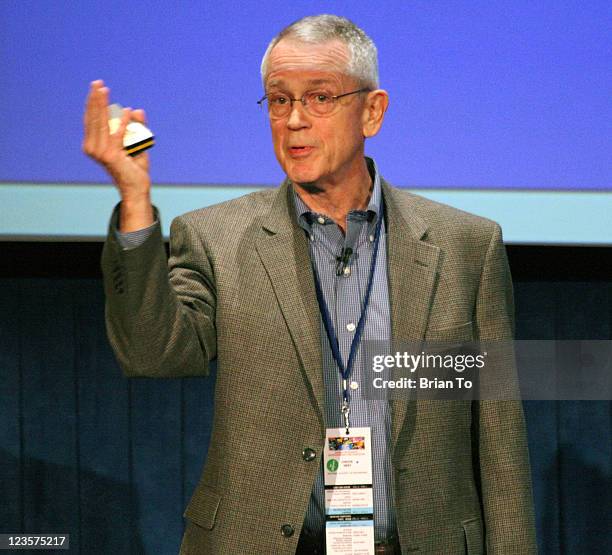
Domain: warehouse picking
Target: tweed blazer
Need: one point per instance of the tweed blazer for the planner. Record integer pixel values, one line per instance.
(238, 287)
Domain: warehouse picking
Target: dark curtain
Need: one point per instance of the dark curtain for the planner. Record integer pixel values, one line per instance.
(113, 461)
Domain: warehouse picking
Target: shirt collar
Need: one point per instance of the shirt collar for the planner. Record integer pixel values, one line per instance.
(305, 215)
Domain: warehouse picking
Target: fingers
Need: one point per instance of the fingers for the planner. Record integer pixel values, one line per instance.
(96, 120)
(139, 116)
(89, 100)
(89, 139)
(100, 120)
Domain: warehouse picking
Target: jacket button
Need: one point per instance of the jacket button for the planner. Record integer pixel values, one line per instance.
(309, 454)
(287, 530)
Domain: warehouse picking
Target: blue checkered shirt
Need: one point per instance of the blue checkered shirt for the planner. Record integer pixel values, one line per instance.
(344, 296)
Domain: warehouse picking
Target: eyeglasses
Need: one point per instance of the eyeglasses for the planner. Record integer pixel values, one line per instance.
(316, 103)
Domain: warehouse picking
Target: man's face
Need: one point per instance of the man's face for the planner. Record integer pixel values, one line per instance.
(313, 149)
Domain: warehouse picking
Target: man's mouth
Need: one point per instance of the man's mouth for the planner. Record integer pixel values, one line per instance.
(300, 151)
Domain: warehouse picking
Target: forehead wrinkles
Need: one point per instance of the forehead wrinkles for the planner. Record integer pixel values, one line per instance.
(293, 55)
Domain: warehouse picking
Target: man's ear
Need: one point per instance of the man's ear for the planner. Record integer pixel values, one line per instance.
(374, 109)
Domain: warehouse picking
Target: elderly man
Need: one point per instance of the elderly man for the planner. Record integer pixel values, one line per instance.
(282, 287)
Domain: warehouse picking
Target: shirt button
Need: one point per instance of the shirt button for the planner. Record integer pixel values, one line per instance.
(347, 271)
(312, 237)
(309, 454)
(354, 385)
(371, 238)
(350, 327)
(287, 530)
(321, 220)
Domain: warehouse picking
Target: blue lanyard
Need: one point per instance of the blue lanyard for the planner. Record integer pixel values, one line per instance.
(345, 371)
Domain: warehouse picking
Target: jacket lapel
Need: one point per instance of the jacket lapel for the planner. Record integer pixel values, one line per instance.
(283, 249)
(412, 270)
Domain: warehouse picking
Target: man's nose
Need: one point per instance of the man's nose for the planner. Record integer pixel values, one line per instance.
(297, 118)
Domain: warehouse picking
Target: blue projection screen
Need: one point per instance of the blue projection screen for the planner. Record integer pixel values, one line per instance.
(510, 97)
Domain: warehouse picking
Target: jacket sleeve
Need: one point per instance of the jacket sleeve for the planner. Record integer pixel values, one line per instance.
(160, 314)
(500, 442)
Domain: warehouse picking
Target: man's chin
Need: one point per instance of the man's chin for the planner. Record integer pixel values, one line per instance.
(302, 171)
(304, 179)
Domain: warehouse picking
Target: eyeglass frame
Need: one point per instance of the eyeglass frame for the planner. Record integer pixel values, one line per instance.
(304, 103)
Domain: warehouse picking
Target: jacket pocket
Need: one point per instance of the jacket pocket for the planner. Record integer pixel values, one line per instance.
(474, 540)
(463, 332)
(203, 507)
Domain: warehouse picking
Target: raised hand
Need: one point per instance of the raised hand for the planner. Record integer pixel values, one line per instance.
(130, 174)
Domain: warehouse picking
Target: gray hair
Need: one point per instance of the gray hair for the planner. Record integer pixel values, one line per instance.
(363, 57)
